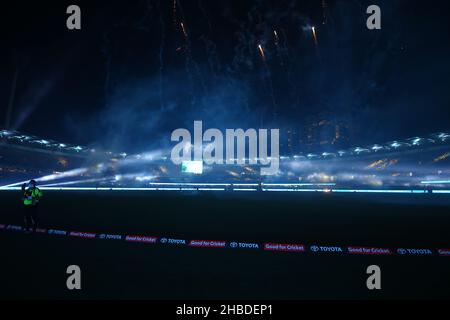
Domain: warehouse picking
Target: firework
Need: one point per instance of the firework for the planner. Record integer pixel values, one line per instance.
(314, 34)
(184, 29)
(261, 51)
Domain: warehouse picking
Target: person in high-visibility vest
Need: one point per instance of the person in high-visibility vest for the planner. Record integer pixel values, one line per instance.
(31, 196)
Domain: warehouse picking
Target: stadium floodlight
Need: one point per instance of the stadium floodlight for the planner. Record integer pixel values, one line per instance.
(328, 154)
(6, 133)
(57, 145)
(77, 148)
(359, 150)
(416, 141)
(21, 138)
(377, 147)
(444, 136)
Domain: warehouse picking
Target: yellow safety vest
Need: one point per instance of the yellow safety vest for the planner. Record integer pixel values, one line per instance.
(31, 195)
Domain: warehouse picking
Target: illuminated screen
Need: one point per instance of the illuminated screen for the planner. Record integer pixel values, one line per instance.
(195, 167)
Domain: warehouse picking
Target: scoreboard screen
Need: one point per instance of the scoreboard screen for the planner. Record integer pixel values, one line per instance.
(195, 167)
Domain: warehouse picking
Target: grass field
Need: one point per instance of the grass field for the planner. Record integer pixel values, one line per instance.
(34, 266)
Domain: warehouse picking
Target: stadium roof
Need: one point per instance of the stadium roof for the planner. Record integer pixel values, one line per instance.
(436, 139)
(414, 143)
(30, 142)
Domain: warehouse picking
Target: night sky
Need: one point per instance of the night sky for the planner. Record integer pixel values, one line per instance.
(132, 75)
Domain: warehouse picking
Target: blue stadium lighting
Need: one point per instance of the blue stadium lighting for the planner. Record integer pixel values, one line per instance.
(326, 190)
(293, 190)
(416, 141)
(436, 182)
(377, 191)
(189, 184)
(17, 138)
(44, 142)
(327, 154)
(5, 133)
(13, 184)
(359, 150)
(77, 148)
(397, 144)
(22, 138)
(298, 184)
(377, 148)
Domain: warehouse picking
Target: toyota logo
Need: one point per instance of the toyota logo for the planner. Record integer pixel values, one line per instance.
(233, 244)
(163, 240)
(314, 248)
(401, 251)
